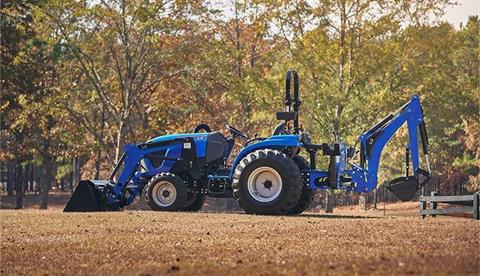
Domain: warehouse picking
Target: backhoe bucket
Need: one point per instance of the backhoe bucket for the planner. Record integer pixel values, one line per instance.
(405, 188)
(87, 197)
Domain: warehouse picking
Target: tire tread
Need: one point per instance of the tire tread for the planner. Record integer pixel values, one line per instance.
(293, 179)
(181, 192)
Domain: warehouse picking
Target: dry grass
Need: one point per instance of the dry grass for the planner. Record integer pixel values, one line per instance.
(142, 242)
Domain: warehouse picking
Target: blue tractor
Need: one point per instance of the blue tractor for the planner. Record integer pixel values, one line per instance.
(268, 176)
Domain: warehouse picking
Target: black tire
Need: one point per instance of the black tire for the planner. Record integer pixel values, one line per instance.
(307, 194)
(174, 183)
(194, 205)
(284, 166)
(140, 202)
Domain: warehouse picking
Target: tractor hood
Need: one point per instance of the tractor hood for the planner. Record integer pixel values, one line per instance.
(170, 137)
(201, 140)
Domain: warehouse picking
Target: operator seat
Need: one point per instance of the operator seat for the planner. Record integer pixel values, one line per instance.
(218, 147)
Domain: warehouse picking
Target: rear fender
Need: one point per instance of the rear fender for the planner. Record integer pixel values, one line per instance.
(278, 142)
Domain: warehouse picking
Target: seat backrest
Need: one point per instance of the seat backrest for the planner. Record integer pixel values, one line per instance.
(217, 146)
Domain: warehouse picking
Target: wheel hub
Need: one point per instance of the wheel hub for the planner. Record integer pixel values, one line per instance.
(164, 193)
(264, 184)
(267, 184)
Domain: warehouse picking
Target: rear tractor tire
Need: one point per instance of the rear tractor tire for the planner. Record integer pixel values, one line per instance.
(307, 194)
(267, 182)
(166, 192)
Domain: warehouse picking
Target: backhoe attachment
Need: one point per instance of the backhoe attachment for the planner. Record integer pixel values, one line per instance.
(405, 187)
(374, 140)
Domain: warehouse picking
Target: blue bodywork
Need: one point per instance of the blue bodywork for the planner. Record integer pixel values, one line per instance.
(364, 176)
(200, 140)
(133, 165)
(411, 113)
(133, 170)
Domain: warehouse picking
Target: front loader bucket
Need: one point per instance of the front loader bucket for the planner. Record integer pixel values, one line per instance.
(87, 197)
(405, 188)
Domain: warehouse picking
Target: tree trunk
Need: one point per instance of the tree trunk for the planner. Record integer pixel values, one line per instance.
(10, 177)
(362, 202)
(328, 202)
(32, 178)
(19, 173)
(119, 144)
(38, 177)
(375, 199)
(97, 162)
(26, 177)
(336, 123)
(46, 181)
(75, 174)
(99, 150)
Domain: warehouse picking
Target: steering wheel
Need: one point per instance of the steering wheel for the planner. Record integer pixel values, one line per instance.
(201, 127)
(235, 132)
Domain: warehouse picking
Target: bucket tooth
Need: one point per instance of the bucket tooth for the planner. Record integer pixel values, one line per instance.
(405, 188)
(87, 197)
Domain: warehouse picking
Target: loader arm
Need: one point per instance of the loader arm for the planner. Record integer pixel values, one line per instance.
(123, 184)
(373, 141)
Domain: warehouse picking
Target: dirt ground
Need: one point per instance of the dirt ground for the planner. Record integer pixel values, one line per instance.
(151, 243)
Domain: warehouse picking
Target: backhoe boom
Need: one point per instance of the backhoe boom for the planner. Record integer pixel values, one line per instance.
(373, 141)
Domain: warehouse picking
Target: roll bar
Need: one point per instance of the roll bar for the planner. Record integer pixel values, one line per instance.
(290, 115)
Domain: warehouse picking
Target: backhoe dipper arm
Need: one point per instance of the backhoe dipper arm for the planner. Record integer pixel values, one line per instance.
(374, 140)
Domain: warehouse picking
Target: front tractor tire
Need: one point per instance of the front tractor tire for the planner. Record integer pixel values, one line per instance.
(267, 182)
(194, 202)
(166, 192)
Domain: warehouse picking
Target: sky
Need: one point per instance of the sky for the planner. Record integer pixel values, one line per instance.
(459, 13)
(454, 14)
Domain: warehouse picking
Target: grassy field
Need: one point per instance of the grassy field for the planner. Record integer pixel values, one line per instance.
(148, 243)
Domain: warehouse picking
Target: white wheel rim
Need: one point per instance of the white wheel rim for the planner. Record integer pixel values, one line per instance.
(164, 194)
(264, 184)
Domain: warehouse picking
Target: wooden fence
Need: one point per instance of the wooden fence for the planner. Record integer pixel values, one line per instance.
(468, 203)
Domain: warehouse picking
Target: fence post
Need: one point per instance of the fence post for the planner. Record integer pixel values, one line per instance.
(423, 206)
(476, 206)
(433, 205)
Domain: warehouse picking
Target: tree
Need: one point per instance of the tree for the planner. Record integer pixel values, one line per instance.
(123, 49)
(466, 57)
(33, 116)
